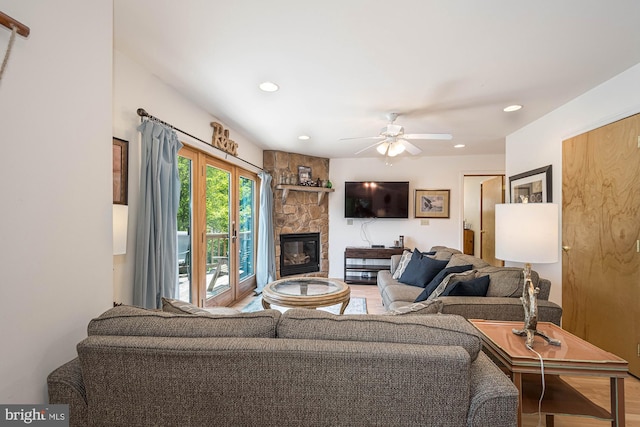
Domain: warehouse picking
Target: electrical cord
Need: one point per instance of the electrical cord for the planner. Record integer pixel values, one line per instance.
(543, 386)
(363, 231)
(14, 30)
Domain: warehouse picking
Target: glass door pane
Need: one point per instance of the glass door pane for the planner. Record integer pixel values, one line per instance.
(247, 227)
(185, 243)
(218, 228)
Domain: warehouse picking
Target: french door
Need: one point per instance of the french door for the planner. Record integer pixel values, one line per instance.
(218, 217)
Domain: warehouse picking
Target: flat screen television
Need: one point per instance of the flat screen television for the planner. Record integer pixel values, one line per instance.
(376, 199)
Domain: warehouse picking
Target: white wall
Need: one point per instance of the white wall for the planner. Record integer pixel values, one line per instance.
(136, 87)
(540, 143)
(422, 173)
(55, 227)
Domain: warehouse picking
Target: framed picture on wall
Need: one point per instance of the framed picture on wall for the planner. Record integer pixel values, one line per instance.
(533, 186)
(432, 204)
(304, 175)
(120, 171)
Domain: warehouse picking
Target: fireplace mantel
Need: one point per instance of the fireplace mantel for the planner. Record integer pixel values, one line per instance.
(320, 190)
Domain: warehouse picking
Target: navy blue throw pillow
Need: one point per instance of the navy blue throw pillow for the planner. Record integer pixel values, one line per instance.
(471, 288)
(431, 286)
(421, 270)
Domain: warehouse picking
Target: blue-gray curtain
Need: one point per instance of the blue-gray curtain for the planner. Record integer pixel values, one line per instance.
(156, 258)
(266, 257)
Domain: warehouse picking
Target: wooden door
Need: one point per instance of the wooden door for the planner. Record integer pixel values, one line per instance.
(492, 193)
(600, 232)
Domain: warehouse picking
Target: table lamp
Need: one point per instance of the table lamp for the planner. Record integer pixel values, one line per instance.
(528, 233)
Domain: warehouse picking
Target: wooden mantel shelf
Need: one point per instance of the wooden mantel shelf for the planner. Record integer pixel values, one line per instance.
(320, 190)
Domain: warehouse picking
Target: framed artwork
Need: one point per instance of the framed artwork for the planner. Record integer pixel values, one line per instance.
(304, 175)
(432, 204)
(533, 186)
(120, 171)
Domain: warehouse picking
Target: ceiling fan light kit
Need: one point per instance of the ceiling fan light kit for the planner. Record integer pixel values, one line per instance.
(393, 140)
(391, 149)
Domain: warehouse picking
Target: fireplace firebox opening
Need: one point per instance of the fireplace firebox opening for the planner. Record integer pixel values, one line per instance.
(299, 253)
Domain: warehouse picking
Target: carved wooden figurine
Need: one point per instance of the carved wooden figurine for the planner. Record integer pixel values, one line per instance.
(529, 300)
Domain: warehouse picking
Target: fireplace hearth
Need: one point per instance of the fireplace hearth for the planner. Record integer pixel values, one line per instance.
(299, 253)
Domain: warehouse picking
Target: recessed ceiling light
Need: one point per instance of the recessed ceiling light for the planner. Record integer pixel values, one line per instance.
(458, 146)
(269, 86)
(304, 137)
(510, 108)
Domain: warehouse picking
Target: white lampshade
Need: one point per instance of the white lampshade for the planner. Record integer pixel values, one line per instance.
(527, 232)
(396, 148)
(382, 148)
(120, 222)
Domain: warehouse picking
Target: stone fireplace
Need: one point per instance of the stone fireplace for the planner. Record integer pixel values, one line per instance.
(300, 212)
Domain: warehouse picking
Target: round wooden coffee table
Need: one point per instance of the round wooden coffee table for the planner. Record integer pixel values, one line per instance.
(306, 292)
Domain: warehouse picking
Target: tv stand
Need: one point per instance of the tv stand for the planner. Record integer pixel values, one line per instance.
(362, 264)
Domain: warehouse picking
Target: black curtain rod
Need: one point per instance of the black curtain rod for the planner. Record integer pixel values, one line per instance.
(143, 113)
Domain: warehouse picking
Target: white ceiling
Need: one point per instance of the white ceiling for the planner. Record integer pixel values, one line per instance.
(342, 65)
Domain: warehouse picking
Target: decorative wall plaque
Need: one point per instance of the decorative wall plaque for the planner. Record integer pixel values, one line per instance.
(221, 139)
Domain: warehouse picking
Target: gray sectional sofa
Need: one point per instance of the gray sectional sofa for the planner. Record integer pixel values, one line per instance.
(304, 367)
(502, 301)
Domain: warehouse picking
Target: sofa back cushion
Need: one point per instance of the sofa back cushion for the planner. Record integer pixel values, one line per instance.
(171, 305)
(443, 252)
(505, 281)
(158, 381)
(440, 330)
(136, 321)
(462, 259)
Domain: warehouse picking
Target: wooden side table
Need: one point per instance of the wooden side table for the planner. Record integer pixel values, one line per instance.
(574, 357)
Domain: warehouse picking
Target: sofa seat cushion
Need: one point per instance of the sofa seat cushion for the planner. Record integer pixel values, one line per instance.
(507, 309)
(136, 321)
(424, 307)
(432, 330)
(398, 292)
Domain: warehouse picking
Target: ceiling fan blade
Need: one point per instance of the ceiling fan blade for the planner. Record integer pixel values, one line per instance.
(410, 147)
(369, 147)
(363, 137)
(427, 136)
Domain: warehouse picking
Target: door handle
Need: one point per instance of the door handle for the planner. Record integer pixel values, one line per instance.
(566, 248)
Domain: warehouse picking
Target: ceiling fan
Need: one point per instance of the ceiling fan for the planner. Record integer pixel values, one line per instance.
(393, 141)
